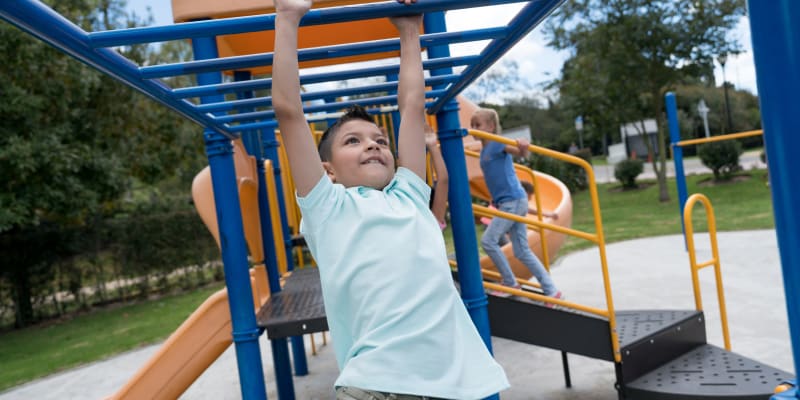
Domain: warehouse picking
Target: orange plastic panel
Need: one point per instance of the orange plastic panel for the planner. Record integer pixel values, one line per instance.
(309, 36)
(195, 345)
(247, 182)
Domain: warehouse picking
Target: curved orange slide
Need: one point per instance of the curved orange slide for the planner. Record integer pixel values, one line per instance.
(206, 334)
(553, 194)
(189, 351)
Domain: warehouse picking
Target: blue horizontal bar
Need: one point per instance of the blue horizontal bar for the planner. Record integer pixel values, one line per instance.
(123, 37)
(44, 23)
(528, 18)
(368, 102)
(273, 123)
(323, 94)
(266, 83)
(318, 53)
(255, 126)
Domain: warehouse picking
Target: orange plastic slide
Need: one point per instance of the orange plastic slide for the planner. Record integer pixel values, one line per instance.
(553, 194)
(205, 335)
(189, 351)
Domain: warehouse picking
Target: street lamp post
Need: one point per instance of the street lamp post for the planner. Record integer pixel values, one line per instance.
(579, 128)
(702, 108)
(722, 59)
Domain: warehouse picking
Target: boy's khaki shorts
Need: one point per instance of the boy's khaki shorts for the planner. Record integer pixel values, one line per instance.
(352, 393)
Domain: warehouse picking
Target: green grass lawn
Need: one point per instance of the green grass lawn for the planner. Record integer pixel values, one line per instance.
(41, 350)
(637, 213)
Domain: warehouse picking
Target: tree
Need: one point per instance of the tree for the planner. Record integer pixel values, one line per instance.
(72, 143)
(744, 109)
(628, 53)
(504, 78)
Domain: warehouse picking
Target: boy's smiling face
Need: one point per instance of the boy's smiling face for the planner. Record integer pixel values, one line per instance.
(360, 156)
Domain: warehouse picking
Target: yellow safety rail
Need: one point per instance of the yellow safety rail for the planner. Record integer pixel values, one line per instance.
(712, 233)
(720, 138)
(534, 296)
(275, 217)
(596, 238)
(539, 227)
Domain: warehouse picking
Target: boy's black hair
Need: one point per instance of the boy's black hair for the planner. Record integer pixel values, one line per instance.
(354, 112)
(527, 186)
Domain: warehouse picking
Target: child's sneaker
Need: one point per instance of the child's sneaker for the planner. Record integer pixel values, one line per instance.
(499, 293)
(559, 296)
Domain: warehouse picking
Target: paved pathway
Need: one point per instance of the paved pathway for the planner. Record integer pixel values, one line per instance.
(691, 166)
(645, 273)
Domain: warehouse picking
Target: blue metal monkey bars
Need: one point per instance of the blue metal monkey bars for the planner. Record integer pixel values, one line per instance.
(776, 45)
(251, 114)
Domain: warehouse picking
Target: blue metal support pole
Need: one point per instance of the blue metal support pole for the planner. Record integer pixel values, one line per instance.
(280, 347)
(249, 138)
(677, 156)
(395, 115)
(234, 250)
(461, 217)
(776, 50)
(271, 151)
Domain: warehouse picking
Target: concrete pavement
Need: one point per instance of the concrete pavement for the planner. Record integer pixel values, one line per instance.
(645, 273)
(691, 166)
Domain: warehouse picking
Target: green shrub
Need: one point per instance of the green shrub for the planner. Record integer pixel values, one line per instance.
(627, 171)
(573, 176)
(721, 157)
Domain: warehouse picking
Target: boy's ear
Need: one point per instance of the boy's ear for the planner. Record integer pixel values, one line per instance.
(329, 171)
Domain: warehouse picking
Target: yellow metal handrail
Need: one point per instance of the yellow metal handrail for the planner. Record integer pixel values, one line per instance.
(537, 199)
(596, 238)
(720, 138)
(712, 233)
(275, 217)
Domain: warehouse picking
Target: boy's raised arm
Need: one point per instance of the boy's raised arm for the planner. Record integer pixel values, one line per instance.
(304, 159)
(411, 95)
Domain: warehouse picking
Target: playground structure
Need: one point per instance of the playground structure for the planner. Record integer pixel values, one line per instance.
(602, 336)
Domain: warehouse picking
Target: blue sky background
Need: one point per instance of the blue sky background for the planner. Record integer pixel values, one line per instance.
(536, 61)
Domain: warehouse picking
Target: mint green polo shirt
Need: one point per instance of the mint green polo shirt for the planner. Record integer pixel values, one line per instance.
(395, 317)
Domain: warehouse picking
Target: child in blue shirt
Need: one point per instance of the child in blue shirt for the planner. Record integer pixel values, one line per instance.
(398, 325)
(509, 196)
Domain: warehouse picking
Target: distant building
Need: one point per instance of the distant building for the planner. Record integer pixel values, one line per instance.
(520, 132)
(634, 135)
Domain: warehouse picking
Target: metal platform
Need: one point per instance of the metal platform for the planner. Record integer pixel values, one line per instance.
(707, 372)
(664, 352)
(296, 310)
(650, 338)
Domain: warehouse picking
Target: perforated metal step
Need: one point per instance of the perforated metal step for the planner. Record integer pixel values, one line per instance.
(637, 325)
(707, 372)
(297, 309)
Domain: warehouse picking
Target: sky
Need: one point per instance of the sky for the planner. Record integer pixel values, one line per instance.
(537, 62)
